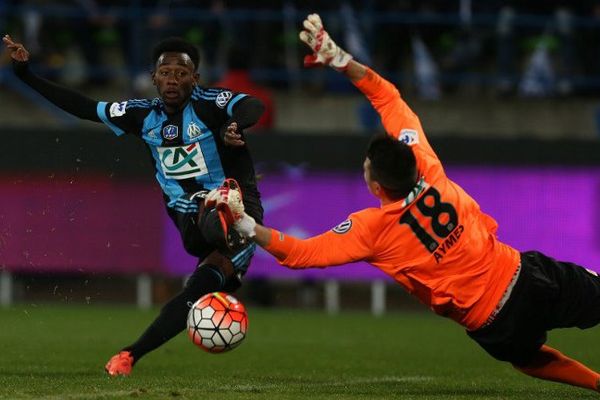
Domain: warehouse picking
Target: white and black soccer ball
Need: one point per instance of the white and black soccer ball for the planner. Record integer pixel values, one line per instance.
(217, 322)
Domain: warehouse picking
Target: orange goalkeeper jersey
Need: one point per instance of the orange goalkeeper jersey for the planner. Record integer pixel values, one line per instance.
(436, 242)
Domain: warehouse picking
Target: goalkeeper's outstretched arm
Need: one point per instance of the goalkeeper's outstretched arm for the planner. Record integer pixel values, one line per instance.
(326, 51)
(383, 95)
(326, 249)
(355, 71)
(262, 235)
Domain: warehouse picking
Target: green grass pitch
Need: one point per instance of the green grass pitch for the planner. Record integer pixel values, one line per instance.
(58, 352)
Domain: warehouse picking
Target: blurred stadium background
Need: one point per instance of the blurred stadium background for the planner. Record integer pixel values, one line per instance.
(507, 91)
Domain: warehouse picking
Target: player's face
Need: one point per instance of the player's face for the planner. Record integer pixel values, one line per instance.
(174, 78)
(374, 187)
(371, 184)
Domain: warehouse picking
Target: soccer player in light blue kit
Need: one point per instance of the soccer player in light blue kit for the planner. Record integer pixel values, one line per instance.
(195, 137)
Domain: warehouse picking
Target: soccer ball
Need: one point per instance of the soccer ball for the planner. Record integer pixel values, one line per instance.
(217, 322)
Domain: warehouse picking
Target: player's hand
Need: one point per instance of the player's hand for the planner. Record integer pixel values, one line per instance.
(232, 137)
(245, 226)
(227, 199)
(325, 51)
(16, 50)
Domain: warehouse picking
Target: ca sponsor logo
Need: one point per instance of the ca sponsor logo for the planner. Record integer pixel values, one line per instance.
(182, 162)
(118, 109)
(223, 98)
(170, 132)
(409, 136)
(343, 227)
(193, 130)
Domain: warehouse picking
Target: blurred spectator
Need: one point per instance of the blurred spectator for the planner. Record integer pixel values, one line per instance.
(434, 40)
(428, 42)
(391, 44)
(29, 19)
(545, 26)
(87, 31)
(144, 22)
(238, 78)
(429, 47)
(72, 34)
(590, 49)
(258, 25)
(205, 24)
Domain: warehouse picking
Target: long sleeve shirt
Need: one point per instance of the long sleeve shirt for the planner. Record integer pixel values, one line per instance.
(436, 242)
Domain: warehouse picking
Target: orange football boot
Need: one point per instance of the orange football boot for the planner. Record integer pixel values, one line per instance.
(120, 364)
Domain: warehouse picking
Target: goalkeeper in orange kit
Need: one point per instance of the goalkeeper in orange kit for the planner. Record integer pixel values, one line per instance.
(432, 238)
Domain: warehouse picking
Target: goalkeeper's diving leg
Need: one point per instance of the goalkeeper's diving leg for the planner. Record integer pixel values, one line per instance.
(552, 365)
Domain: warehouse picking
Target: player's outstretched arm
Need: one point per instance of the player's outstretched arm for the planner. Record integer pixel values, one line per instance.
(227, 199)
(383, 95)
(249, 228)
(245, 114)
(68, 100)
(326, 51)
(329, 248)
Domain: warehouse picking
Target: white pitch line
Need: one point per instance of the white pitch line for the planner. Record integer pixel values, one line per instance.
(247, 388)
(95, 395)
(381, 379)
(337, 382)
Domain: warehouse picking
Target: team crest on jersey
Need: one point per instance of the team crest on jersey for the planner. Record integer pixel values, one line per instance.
(170, 132)
(223, 98)
(118, 109)
(193, 130)
(343, 227)
(409, 136)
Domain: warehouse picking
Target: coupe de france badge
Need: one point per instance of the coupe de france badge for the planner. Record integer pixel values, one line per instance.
(223, 98)
(170, 132)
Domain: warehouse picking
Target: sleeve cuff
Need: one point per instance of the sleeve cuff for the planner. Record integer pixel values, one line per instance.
(280, 245)
(368, 84)
(233, 102)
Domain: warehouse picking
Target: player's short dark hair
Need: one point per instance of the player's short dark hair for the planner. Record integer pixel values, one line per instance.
(176, 45)
(393, 165)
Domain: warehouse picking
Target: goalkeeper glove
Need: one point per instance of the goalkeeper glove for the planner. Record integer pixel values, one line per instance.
(227, 199)
(245, 226)
(325, 51)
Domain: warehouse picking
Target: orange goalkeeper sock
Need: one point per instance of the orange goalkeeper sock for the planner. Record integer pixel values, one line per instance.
(552, 365)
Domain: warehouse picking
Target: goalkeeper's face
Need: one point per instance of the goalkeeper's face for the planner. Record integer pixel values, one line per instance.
(174, 77)
(372, 185)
